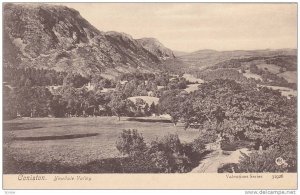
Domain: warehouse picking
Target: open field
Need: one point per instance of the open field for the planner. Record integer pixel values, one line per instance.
(270, 67)
(191, 87)
(148, 99)
(192, 78)
(290, 76)
(74, 141)
(248, 75)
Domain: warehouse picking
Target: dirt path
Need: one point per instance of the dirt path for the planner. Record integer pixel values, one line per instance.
(215, 159)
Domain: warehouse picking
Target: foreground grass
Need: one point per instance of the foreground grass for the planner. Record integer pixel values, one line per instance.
(76, 143)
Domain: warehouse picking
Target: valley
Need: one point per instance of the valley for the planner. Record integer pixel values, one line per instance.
(81, 100)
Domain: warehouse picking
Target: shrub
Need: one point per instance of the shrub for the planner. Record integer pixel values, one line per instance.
(261, 161)
(130, 142)
(198, 145)
(170, 155)
(171, 143)
(160, 160)
(208, 137)
(227, 146)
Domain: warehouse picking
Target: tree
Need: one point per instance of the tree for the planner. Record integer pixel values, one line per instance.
(140, 106)
(152, 109)
(146, 109)
(117, 105)
(32, 101)
(169, 103)
(10, 108)
(75, 80)
(58, 106)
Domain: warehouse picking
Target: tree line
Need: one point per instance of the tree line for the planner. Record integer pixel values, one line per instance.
(69, 101)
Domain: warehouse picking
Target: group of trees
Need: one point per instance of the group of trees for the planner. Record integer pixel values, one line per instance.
(32, 77)
(232, 74)
(19, 77)
(26, 101)
(26, 93)
(238, 112)
(161, 79)
(121, 106)
(137, 88)
(68, 101)
(29, 97)
(99, 82)
(140, 84)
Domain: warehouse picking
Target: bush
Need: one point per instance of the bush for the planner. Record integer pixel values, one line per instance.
(208, 137)
(160, 160)
(130, 142)
(170, 155)
(198, 145)
(261, 161)
(227, 146)
(171, 143)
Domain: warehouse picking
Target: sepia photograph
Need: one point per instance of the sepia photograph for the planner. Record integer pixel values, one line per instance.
(149, 88)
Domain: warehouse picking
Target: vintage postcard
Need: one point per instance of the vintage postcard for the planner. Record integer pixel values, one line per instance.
(149, 95)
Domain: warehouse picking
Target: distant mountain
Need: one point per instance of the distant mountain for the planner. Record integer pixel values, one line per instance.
(203, 52)
(156, 48)
(205, 58)
(57, 37)
(179, 53)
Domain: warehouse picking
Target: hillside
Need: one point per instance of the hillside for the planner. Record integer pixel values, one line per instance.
(205, 58)
(156, 48)
(179, 53)
(276, 72)
(280, 66)
(57, 37)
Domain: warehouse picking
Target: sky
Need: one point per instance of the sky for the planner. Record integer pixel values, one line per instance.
(194, 26)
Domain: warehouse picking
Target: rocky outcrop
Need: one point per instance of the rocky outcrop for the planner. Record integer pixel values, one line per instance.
(156, 48)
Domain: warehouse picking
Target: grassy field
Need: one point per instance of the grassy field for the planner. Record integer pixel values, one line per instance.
(270, 67)
(149, 100)
(191, 78)
(74, 141)
(290, 76)
(248, 75)
(191, 87)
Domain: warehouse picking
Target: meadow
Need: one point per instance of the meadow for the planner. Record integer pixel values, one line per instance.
(78, 141)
